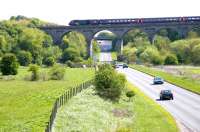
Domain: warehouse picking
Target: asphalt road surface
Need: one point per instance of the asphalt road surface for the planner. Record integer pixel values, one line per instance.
(185, 107)
(105, 57)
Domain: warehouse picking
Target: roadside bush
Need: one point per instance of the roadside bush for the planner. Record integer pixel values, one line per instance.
(171, 60)
(9, 64)
(130, 94)
(109, 83)
(57, 73)
(35, 72)
(49, 61)
(24, 58)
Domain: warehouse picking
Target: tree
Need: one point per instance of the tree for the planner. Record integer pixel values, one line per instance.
(35, 72)
(24, 58)
(130, 54)
(9, 64)
(196, 55)
(192, 34)
(77, 41)
(49, 61)
(171, 60)
(151, 55)
(108, 82)
(70, 54)
(162, 43)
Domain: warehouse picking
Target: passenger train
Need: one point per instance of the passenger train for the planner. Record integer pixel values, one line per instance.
(133, 21)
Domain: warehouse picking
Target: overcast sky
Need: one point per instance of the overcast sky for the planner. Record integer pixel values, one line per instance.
(62, 11)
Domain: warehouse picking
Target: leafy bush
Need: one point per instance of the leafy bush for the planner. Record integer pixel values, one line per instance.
(57, 73)
(9, 64)
(70, 54)
(130, 94)
(108, 82)
(35, 72)
(171, 60)
(24, 58)
(49, 61)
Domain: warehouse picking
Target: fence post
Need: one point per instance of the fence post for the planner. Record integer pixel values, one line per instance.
(63, 99)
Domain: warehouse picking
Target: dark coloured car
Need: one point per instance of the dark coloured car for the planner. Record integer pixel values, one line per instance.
(125, 66)
(158, 80)
(166, 94)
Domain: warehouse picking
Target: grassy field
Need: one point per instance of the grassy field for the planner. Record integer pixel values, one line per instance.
(182, 81)
(26, 106)
(87, 112)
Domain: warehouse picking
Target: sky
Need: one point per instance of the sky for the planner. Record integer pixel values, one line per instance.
(62, 11)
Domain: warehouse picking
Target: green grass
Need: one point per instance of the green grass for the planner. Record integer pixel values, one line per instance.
(26, 106)
(114, 55)
(87, 112)
(186, 83)
(150, 116)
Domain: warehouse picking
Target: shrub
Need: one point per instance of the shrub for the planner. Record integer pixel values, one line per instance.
(108, 82)
(49, 61)
(130, 94)
(171, 60)
(35, 72)
(24, 58)
(70, 54)
(9, 64)
(57, 73)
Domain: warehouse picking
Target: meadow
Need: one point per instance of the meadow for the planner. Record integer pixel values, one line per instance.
(25, 106)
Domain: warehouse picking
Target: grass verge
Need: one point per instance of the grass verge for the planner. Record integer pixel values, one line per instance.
(88, 112)
(183, 82)
(26, 105)
(150, 116)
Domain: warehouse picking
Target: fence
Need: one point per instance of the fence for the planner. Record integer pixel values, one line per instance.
(63, 99)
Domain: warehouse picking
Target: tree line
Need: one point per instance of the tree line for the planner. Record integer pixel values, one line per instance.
(22, 41)
(167, 47)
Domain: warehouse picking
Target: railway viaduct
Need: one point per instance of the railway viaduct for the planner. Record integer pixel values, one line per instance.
(57, 32)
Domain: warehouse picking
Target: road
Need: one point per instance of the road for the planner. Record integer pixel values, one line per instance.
(105, 57)
(185, 107)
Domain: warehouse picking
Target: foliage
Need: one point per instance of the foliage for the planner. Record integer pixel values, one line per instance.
(162, 43)
(76, 41)
(108, 82)
(70, 54)
(130, 94)
(196, 54)
(57, 73)
(151, 55)
(24, 58)
(171, 60)
(9, 64)
(35, 72)
(95, 47)
(49, 61)
(192, 34)
(130, 54)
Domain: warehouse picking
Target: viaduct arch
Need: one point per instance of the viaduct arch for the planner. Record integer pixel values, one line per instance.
(57, 32)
